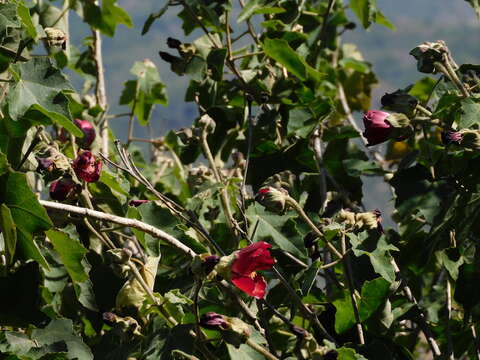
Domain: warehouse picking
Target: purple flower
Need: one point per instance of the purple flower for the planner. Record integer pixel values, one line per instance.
(45, 164)
(88, 132)
(137, 203)
(87, 167)
(213, 321)
(377, 128)
(451, 137)
(62, 189)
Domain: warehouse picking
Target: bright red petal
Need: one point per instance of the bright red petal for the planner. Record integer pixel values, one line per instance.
(254, 287)
(252, 258)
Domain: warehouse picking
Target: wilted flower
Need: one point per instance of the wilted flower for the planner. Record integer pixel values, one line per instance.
(213, 321)
(137, 203)
(399, 101)
(62, 189)
(451, 137)
(88, 133)
(87, 167)
(428, 53)
(245, 264)
(272, 198)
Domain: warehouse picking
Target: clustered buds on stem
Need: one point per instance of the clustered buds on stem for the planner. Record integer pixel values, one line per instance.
(361, 221)
(381, 126)
(87, 167)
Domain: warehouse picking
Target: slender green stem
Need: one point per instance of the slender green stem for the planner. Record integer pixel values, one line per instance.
(261, 350)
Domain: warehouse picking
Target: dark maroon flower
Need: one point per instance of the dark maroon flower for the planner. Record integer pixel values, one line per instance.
(87, 167)
(62, 189)
(377, 128)
(451, 137)
(247, 261)
(209, 263)
(88, 133)
(138, 202)
(213, 321)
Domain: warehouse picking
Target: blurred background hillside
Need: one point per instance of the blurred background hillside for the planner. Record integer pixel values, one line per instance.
(416, 21)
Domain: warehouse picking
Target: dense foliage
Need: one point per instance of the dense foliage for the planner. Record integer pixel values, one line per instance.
(245, 236)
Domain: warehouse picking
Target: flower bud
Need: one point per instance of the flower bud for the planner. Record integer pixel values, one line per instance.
(55, 37)
(470, 139)
(137, 203)
(213, 321)
(63, 189)
(427, 54)
(203, 265)
(381, 126)
(399, 101)
(88, 133)
(451, 137)
(87, 167)
(234, 331)
(273, 199)
(346, 217)
(207, 123)
(45, 164)
(185, 135)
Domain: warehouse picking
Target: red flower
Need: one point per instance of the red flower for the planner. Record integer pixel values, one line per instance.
(377, 128)
(88, 133)
(247, 261)
(62, 189)
(87, 167)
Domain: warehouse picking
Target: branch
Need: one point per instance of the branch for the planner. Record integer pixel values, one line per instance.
(100, 92)
(149, 229)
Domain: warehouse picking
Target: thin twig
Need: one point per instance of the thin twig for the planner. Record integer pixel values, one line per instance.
(317, 150)
(149, 229)
(261, 350)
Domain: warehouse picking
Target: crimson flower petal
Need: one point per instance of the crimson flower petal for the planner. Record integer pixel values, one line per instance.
(252, 286)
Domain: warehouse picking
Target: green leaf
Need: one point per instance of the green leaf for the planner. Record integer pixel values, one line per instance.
(9, 231)
(470, 114)
(451, 259)
(380, 258)
(24, 14)
(467, 291)
(279, 50)
(249, 9)
(268, 227)
(216, 61)
(71, 253)
(62, 330)
(40, 86)
(27, 213)
(476, 6)
(373, 296)
(8, 17)
(107, 18)
(144, 92)
(345, 353)
(244, 352)
(300, 122)
(154, 16)
(367, 13)
(422, 89)
(357, 167)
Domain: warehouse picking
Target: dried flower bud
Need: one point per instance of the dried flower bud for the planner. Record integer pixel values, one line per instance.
(87, 167)
(185, 135)
(399, 101)
(366, 220)
(137, 203)
(55, 37)
(470, 139)
(88, 133)
(273, 199)
(299, 332)
(207, 123)
(346, 217)
(63, 189)
(428, 53)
